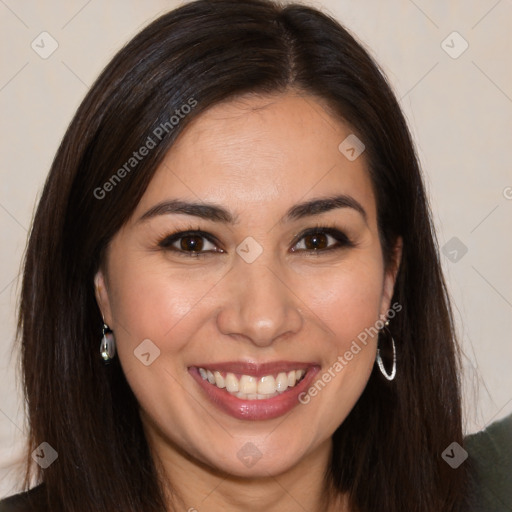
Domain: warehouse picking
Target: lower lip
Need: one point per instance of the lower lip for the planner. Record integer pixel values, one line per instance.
(265, 409)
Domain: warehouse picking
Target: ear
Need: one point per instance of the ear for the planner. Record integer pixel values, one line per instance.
(102, 298)
(390, 277)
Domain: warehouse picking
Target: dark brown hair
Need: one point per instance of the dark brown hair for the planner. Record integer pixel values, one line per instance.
(387, 453)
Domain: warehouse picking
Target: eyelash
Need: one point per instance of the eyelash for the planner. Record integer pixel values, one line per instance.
(342, 241)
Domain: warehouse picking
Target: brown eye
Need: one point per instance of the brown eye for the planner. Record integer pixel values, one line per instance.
(316, 241)
(192, 243)
(321, 240)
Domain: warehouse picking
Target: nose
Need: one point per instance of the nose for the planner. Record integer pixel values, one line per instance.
(258, 304)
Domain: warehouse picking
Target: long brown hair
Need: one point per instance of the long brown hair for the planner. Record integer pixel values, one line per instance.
(387, 453)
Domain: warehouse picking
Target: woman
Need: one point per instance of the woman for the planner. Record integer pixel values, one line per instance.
(232, 297)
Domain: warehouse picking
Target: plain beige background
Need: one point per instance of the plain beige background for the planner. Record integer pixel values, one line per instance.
(458, 104)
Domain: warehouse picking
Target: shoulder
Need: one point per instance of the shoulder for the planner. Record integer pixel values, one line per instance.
(29, 501)
(491, 454)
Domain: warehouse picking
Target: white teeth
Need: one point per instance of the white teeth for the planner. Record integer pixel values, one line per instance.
(249, 387)
(281, 382)
(219, 380)
(231, 383)
(248, 384)
(266, 385)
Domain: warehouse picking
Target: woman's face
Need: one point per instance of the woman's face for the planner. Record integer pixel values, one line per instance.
(279, 270)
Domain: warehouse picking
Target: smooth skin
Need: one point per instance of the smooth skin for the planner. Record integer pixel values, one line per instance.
(305, 298)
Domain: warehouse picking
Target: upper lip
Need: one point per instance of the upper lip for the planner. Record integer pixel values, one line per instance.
(256, 369)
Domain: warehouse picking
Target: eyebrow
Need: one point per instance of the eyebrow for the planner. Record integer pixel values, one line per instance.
(325, 204)
(216, 213)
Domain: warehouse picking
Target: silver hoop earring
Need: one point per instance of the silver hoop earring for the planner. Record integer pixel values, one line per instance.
(108, 344)
(392, 375)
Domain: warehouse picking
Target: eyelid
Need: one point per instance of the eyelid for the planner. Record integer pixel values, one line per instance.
(341, 238)
(167, 241)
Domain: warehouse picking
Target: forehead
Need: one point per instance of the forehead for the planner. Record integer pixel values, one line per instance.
(262, 152)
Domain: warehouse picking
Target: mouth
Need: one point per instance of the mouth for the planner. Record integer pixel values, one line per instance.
(254, 391)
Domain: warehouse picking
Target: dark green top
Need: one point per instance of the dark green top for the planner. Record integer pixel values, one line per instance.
(30, 501)
(490, 450)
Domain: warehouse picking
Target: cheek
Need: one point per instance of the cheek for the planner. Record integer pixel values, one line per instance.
(153, 300)
(344, 376)
(347, 298)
